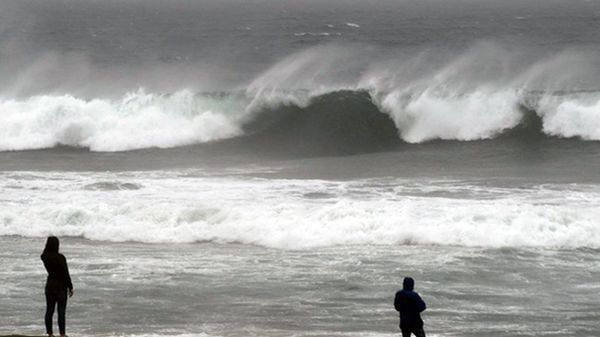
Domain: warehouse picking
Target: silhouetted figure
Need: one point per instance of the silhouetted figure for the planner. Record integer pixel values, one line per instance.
(57, 284)
(410, 305)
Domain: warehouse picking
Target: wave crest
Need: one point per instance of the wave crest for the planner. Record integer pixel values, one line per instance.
(478, 95)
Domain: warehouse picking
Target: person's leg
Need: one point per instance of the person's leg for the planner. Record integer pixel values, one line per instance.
(50, 304)
(419, 332)
(405, 332)
(61, 300)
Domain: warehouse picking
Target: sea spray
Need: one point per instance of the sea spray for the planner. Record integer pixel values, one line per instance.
(479, 94)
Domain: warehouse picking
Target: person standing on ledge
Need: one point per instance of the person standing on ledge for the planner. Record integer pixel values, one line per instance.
(57, 285)
(410, 305)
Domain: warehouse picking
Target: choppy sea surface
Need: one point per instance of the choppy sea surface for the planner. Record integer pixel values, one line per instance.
(275, 168)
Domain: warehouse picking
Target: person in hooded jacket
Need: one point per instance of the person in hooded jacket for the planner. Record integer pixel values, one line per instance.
(58, 284)
(410, 305)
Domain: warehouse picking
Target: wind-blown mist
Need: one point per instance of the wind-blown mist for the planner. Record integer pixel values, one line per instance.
(479, 94)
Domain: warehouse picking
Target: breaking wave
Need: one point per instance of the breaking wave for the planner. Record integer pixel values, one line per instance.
(136, 121)
(330, 93)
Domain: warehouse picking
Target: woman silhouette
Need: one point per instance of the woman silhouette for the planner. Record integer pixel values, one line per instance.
(57, 284)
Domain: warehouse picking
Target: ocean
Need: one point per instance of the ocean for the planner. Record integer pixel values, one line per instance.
(277, 167)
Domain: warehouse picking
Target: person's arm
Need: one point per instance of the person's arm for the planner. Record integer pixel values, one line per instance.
(420, 303)
(397, 301)
(44, 258)
(68, 277)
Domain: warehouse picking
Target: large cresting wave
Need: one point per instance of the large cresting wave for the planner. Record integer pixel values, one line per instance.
(481, 94)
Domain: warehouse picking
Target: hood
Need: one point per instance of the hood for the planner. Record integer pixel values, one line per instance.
(51, 245)
(408, 284)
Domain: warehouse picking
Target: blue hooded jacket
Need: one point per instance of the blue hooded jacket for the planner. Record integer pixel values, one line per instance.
(410, 305)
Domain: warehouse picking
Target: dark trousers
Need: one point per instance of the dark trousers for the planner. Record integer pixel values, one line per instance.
(418, 331)
(56, 298)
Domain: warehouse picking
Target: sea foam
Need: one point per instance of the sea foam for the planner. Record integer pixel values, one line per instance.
(290, 214)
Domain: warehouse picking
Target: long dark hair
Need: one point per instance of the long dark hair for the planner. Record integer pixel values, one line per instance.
(51, 245)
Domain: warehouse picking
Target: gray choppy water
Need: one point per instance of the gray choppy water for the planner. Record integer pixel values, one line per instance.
(132, 289)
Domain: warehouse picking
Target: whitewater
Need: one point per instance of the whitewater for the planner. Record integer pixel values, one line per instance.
(185, 207)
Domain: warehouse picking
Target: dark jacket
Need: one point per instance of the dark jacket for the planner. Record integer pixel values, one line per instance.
(410, 305)
(58, 272)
